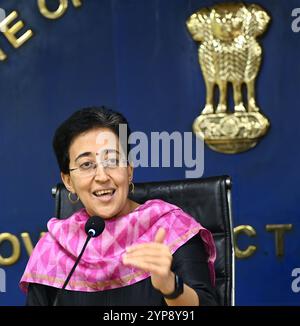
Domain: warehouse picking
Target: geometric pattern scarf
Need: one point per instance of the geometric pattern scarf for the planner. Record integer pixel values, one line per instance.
(101, 267)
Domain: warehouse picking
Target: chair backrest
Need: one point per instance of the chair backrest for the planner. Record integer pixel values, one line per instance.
(208, 200)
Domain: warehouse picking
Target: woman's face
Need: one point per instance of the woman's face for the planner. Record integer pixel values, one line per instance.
(104, 190)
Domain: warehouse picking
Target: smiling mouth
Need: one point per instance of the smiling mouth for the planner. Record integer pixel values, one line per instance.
(104, 193)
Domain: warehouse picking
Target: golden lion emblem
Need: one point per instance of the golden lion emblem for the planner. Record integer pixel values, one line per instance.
(230, 53)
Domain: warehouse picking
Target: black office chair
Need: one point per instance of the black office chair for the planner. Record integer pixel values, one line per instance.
(208, 200)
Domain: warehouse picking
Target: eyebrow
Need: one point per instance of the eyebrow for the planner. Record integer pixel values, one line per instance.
(83, 155)
(107, 151)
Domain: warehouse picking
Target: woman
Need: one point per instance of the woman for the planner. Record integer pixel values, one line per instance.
(148, 254)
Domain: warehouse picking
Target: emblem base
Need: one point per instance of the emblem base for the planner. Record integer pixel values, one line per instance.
(231, 133)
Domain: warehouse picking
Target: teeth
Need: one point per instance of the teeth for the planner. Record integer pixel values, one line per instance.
(103, 192)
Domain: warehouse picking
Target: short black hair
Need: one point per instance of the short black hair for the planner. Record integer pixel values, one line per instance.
(81, 121)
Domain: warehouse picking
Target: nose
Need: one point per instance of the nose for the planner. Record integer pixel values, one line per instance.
(100, 174)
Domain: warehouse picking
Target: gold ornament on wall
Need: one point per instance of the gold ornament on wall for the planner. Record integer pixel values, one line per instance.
(229, 53)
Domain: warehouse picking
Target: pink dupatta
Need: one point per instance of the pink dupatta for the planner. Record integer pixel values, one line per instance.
(101, 266)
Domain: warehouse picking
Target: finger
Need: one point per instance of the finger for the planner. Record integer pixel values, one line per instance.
(145, 266)
(147, 246)
(162, 262)
(157, 260)
(160, 235)
(138, 254)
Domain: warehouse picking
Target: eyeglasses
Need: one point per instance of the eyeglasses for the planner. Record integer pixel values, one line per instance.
(89, 168)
